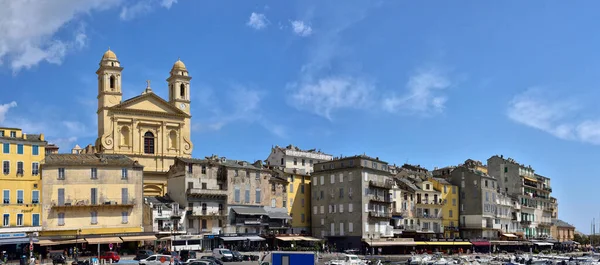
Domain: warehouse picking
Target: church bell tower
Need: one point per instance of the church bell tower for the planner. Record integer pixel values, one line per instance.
(179, 87)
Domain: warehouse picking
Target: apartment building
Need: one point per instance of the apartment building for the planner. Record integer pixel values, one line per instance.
(562, 231)
(429, 209)
(299, 199)
(163, 216)
(20, 156)
(296, 158)
(532, 190)
(91, 195)
(478, 193)
(351, 201)
(409, 225)
(450, 202)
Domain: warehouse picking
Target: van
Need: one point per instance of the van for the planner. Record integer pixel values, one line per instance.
(156, 260)
(223, 254)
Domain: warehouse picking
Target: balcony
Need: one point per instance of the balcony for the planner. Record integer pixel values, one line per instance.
(207, 193)
(428, 216)
(102, 202)
(381, 184)
(548, 189)
(171, 230)
(380, 198)
(451, 228)
(249, 221)
(412, 228)
(525, 223)
(279, 225)
(380, 215)
(206, 214)
(531, 185)
(545, 224)
(439, 202)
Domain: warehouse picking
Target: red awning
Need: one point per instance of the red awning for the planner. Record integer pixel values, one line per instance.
(481, 243)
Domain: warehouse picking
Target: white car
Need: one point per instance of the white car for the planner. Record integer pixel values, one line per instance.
(156, 260)
(223, 254)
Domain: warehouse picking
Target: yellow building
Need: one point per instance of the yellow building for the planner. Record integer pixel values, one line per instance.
(20, 156)
(91, 195)
(450, 197)
(147, 128)
(298, 194)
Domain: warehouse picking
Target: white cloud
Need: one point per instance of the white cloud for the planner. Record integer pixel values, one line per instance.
(558, 117)
(257, 21)
(328, 94)
(4, 109)
(168, 3)
(138, 9)
(28, 29)
(300, 28)
(423, 96)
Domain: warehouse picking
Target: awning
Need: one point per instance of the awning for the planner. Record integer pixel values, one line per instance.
(288, 238)
(307, 238)
(103, 240)
(391, 243)
(543, 243)
(510, 235)
(481, 243)
(507, 243)
(249, 210)
(279, 215)
(138, 238)
(47, 242)
(443, 243)
(530, 179)
(255, 238)
(20, 240)
(232, 238)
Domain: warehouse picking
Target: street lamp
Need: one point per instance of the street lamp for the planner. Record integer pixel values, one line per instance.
(371, 236)
(76, 238)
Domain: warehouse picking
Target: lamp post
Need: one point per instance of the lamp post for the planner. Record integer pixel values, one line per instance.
(371, 236)
(76, 238)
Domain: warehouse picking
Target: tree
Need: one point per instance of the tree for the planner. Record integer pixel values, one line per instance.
(581, 239)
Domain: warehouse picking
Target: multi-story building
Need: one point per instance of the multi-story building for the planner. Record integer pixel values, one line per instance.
(20, 156)
(147, 128)
(92, 195)
(478, 192)
(298, 193)
(506, 215)
(412, 172)
(450, 199)
(294, 157)
(410, 223)
(351, 201)
(429, 209)
(533, 191)
(163, 216)
(562, 231)
(225, 196)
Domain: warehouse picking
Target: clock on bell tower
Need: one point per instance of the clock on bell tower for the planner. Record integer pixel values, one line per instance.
(179, 86)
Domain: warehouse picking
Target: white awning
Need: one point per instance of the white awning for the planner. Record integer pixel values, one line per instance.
(46, 242)
(255, 238)
(543, 243)
(307, 238)
(233, 238)
(138, 238)
(103, 240)
(288, 238)
(510, 235)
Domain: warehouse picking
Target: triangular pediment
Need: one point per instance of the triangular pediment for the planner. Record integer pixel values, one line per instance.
(149, 102)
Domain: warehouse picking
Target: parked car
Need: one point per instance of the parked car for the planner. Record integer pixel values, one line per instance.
(237, 256)
(143, 254)
(222, 254)
(187, 254)
(156, 260)
(202, 262)
(110, 255)
(211, 258)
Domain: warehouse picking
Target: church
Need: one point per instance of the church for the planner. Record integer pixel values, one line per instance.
(147, 128)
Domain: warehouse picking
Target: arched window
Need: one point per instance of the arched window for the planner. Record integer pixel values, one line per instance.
(125, 136)
(182, 91)
(149, 143)
(172, 90)
(112, 82)
(173, 139)
(204, 209)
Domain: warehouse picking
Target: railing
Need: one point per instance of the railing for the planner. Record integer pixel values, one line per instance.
(380, 215)
(429, 216)
(207, 213)
(249, 221)
(412, 227)
(378, 198)
(545, 224)
(101, 202)
(451, 228)
(548, 189)
(206, 192)
(170, 229)
(279, 225)
(438, 202)
(530, 184)
(381, 184)
(525, 223)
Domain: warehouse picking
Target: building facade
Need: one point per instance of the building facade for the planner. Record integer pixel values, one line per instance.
(163, 216)
(429, 212)
(296, 158)
(450, 203)
(21, 187)
(299, 198)
(147, 128)
(351, 201)
(562, 231)
(91, 195)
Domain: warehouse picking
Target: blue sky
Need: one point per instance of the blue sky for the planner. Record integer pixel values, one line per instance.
(426, 82)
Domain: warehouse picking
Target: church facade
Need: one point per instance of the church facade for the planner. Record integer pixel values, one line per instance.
(147, 128)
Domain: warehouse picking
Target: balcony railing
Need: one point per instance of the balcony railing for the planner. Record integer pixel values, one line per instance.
(380, 215)
(451, 228)
(430, 202)
(525, 223)
(545, 224)
(274, 225)
(170, 229)
(207, 192)
(428, 216)
(249, 221)
(101, 202)
(207, 213)
(381, 184)
(380, 198)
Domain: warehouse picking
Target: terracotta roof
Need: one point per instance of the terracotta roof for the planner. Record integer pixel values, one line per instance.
(89, 160)
(442, 181)
(561, 223)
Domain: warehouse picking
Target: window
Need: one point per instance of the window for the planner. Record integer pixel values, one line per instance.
(35, 219)
(427, 186)
(487, 196)
(61, 218)
(203, 170)
(35, 197)
(124, 196)
(6, 220)
(247, 195)
(295, 161)
(445, 189)
(486, 183)
(20, 168)
(20, 198)
(341, 208)
(314, 181)
(182, 91)
(302, 188)
(257, 196)
(61, 173)
(124, 173)
(61, 196)
(203, 223)
(124, 217)
(302, 202)
(314, 209)
(6, 167)
(332, 177)
(20, 149)
(6, 196)
(94, 217)
(94, 173)
(450, 213)
(93, 196)
(341, 229)
(302, 217)
(341, 192)
(322, 180)
(341, 177)
(284, 204)
(282, 161)
(257, 175)
(112, 81)
(13, 134)
(1, 133)
(292, 187)
(310, 162)
(6, 148)
(453, 201)
(505, 169)
(322, 210)
(273, 203)
(350, 207)
(303, 162)
(35, 168)
(332, 226)
(350, 227)
(237, 195)
(35, 150)
(149, 143)
(453, 189)
(350, 176)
